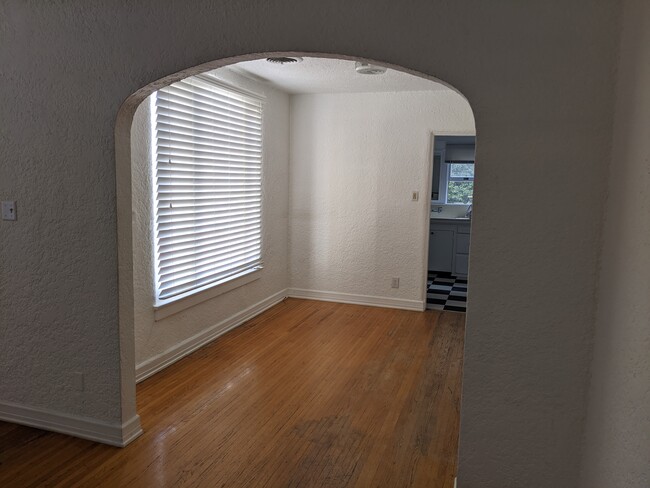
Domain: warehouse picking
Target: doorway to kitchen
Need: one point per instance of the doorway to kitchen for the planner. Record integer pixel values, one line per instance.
(450, 222)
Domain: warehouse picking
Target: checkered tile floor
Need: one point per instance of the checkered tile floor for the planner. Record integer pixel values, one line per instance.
(446, 292)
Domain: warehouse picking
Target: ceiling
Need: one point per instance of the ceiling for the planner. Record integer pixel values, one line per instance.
(324, 75)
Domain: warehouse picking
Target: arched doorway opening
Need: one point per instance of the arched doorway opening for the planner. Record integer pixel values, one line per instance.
(126, 215)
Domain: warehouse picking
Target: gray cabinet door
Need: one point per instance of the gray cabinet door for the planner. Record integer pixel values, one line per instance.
(462, 243)
(441, 250)
(462, 264)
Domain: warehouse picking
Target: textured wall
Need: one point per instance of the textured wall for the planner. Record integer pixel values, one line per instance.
(617, 438)
(153, 338)
(355, 158)
(538, 76)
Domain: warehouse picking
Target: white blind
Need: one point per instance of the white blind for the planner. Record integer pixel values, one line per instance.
(208, 151)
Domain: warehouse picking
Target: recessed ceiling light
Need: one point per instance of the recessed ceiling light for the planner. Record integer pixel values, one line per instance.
(369, 69)
(283, 60)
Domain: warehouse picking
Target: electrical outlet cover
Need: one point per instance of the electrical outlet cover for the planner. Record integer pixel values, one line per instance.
(8, 210)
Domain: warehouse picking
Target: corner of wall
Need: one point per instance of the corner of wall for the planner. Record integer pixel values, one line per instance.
(117, 434)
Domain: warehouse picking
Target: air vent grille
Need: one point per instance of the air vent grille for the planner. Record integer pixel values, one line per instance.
(283, 60)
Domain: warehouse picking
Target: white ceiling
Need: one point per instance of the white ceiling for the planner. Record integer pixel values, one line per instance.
(324, 75)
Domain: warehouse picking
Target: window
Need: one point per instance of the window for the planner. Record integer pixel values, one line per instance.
(453, 170)
(460, 183)
(207, 184)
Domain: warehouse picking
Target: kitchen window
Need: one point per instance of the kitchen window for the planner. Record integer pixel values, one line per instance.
(453, 170)
(207, 186)
(460, 183)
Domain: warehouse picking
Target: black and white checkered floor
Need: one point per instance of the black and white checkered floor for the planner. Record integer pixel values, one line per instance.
(446, 292)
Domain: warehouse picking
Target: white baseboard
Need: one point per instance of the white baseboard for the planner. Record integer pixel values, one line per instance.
(116, 434)
(373, 301)
(151, 366)
(131, 430)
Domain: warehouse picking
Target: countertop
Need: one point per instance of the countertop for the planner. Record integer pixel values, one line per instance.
(458, 220)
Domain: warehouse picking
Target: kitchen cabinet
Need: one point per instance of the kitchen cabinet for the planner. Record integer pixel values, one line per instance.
(449, 246)
(441, 250)
(461, 253)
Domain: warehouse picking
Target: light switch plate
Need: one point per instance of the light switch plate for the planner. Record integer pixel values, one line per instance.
(8, 210)
(415, 196)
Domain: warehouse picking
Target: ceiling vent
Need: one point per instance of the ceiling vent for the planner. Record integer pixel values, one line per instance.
(369, 69)
(284, 60)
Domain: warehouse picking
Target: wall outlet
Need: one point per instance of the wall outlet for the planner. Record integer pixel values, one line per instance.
(394, 283)
(9, 210)
(415, 196)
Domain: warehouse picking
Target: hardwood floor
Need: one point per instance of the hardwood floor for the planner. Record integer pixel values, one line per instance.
(308, 394)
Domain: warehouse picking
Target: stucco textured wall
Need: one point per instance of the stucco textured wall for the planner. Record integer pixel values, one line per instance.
(355, 159)
(539, 78)
(154, 338)
(618, 427)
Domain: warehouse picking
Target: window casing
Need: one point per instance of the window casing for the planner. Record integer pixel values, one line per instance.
(207, 186)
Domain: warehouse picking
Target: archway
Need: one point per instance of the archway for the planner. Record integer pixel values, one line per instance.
(125, 204)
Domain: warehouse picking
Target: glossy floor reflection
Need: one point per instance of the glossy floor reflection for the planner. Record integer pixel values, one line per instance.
(307, 394)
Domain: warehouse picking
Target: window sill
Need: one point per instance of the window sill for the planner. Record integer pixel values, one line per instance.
(190, 299)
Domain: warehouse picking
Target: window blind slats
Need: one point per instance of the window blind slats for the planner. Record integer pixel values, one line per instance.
(208, 155)
(180, 171)
(185, 184)
(243, 131)
(181, 198)
(179, 214)
(182, 244)
(209, 221)
(224, 199)
(178, 194)
(182, 251)
(183, 140)
(167, 153)
(196, 108)
(182, 129)
(201, 145)
(202, 231)
(230, 268)
(207, 262)
(209, 89)
(205, 96)
(178, 156)
(181, 176)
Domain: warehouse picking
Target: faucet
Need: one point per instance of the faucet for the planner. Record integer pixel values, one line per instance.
(468, 213)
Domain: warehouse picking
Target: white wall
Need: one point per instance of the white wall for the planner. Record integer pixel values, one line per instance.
(158, 341)
(617, 442)
(538, 73)
(355, 159)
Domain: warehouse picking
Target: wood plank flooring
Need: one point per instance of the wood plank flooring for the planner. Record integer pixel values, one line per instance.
(307, 394)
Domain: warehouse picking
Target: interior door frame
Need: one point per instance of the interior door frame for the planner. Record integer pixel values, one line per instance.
(427, 202)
